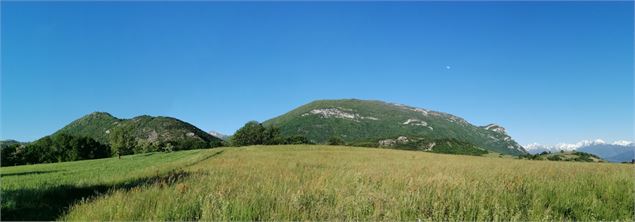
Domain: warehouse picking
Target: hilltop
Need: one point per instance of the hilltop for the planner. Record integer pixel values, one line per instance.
(382, 124)
(148, 131)
(100, 135)
(95, 125)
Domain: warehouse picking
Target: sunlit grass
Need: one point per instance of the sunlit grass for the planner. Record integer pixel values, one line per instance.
(44, 191)
(324, 183)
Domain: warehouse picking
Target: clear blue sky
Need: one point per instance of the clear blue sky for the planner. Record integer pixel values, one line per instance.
(548, 72)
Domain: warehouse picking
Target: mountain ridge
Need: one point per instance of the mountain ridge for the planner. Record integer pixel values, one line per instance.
(356, 121)
(148, 131)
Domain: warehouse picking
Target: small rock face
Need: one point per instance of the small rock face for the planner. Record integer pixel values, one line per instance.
(340, 113)
(495, 128)
(415, 122)
(331, 112)
(153, 136)
(419, 110)
(387, 143)
(392, 142)
(402, 139)
(422, 111)
(429, 146)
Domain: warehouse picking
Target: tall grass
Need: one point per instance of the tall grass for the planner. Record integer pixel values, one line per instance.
(45, 191)
(325, 183)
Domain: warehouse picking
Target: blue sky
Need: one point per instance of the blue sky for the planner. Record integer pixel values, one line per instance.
(549, 72)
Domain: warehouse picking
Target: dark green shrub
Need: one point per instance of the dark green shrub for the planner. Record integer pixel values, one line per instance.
(335, 141)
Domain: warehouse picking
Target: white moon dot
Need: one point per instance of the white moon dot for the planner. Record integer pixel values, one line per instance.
(448, 67)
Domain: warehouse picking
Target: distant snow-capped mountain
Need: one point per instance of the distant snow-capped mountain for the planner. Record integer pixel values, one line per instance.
(218, 135)
(618, 151)
(623, 143)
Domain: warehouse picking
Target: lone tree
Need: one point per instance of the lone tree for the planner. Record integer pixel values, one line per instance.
(121, 142)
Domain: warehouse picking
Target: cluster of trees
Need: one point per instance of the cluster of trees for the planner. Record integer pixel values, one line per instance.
(56, 148)
(537, 156)
(65, 147)
(554, 158)
(584, 157)
(254, 133)
(123, 142)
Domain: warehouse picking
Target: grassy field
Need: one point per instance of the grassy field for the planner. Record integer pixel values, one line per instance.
(318, 183)
(45, 191)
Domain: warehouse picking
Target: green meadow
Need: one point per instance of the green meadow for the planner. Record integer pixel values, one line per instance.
(316, 182)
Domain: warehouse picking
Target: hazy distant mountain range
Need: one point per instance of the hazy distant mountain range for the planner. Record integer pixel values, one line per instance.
(617, 151)
(4, 143)
(219, 135)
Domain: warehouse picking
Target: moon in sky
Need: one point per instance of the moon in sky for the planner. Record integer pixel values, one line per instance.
(448, 67)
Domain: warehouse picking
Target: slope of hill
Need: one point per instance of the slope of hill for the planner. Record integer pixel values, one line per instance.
(450, 146)
(95, 125)
(577, 156)
(147, 130)
(368, 123)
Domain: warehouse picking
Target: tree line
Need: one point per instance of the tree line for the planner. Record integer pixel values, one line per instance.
(254, 133)
(65, 147)
(55, 148)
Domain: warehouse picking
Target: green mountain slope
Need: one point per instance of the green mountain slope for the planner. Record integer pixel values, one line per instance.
(95, 125)
(375, 123)
(147, 130)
